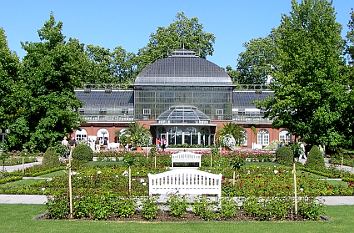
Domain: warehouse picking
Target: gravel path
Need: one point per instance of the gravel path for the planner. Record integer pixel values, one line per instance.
(42, 199)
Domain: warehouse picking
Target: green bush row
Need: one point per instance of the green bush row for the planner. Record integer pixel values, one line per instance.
(10, 179)
(110, 206)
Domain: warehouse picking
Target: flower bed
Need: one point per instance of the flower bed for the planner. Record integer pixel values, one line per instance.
(113, 207)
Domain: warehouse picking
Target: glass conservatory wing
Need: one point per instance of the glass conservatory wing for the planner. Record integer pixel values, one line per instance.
(183, 114)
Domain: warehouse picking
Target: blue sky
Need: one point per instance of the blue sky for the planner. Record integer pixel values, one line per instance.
(129, 23)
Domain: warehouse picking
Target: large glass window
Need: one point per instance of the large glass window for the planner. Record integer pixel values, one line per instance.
(186, 134)
(213, 101)
(103, 136)
(263, 137)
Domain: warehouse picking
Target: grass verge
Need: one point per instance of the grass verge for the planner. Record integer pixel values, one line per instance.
(20, 218)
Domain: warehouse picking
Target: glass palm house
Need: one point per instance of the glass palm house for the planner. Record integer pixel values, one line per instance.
(183, 93)
(183, 99)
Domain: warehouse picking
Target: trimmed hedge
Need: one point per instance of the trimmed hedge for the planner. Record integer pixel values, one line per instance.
(82, 153)
(315, 159)
(51, 158)
(284, 155)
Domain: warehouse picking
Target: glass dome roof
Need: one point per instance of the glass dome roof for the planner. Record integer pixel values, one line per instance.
(183, 114)
(183, 68)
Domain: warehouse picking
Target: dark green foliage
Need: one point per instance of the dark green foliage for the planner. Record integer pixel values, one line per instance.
(310, 93)
(232, 129)
(58, 208)
(51, 158)
(83, 153)
(93, 206)
(297, 150)
(124, 207)
(184, 32)
(315, 159)
(12, 93)
(51, 69)
(62, 150)
(256, 62)
(129, 160)
(229, 208)
(177, 205)
(153, 151)
(204, 208)
(149, 209)
(310, 209)
(272, 208)
(136, 134)
(237, 162)
(284, 155)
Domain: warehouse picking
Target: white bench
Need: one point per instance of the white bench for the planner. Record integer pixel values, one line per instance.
(185, 181)
(186, 158)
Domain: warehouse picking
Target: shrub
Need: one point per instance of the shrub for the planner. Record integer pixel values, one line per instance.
(93, 206)
(149, 209)
(310, 209)
(284, 155)
(153, 151)
(83, 153)
(124, 207)
(228, 208)
(51, 158)
(204, 208)
(268, 208)
(315, 159)
(58, 208)
(178, 205)
(61, 149)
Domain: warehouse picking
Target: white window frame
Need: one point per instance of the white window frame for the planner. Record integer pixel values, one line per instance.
(263, 137)
(219, 112)
(81, 135)
(146, 111)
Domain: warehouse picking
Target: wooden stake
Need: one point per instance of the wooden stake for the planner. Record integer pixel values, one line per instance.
(233, 178)
(23, 165)
(130, 180)
(295, 187)
(70, 185)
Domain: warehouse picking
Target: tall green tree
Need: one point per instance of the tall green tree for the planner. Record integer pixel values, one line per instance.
(310, 94)
(124, 65)
(348, 127)
(105, 66)
(13, 94)
(184, 32)
(350, 37)
(100, 65)
(9, 66)
(52, 68)
(257, 62)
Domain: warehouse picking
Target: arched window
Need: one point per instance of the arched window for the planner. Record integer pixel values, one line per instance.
(263, 137)
(103, 136)
(284, 136)
(81, 135)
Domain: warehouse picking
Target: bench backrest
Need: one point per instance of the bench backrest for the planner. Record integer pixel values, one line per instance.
(186, 157)
(185, 181)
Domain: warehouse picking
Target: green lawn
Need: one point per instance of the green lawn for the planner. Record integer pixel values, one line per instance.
(19, 218)
(20, 183)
